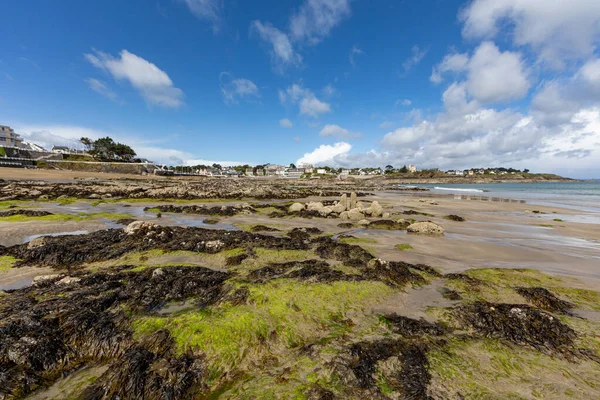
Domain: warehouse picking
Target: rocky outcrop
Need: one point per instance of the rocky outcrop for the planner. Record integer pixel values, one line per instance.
(426, 228)
(296, 207)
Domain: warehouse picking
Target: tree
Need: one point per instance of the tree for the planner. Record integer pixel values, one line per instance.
(389, 167)
(403, 169)
(292, 166)
(217, 166)
(526, 171)
(87, 142)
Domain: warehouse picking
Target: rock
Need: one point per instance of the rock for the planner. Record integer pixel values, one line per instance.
(338, 208)
(296, 207)
(344, 201)
(325, 211)
(158, 272)
(315, 206)
(376, 209)
(364, 222)
(426, 228)
(344, 215)
(355, 214)
(137, 225)
(352, 200)
(38, 242)
(360, 205)
(43, 197)
(67, 280)
(94, 196)
(44, 278)
(386, 215)
(214, 245)
(64, 196)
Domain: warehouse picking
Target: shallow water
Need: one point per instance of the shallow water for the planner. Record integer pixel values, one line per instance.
(29, 238)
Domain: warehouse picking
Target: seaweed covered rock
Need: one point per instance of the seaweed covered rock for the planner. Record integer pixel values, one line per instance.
(402, 364)
(545, 299)
(408, 327)
(49, 329)
(263, 228)
(224, 211)
(310, 270)
(388, 224)
(349, 254)
(150, 370)
(453, 217)
(25, 213)
(70, 252)
(392, 273)
(517, 323)
(425, 228)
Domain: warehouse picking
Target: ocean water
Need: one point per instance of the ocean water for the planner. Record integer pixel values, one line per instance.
(584, 196)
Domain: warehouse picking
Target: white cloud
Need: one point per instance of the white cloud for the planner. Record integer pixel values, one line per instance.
(308, 103)
(414, 59)
(153, 84)
(555, 29)
(455, 62)
(234, 89)
(590, 72)
(310, 24)
(337, 131)
(324, 153)
(100, 87)
(355, 52)
(69, 135)
(282, 52)
(208, 10)
(285, 123)
(405, 102)
(496, 76)
(492, 76)
(315, 18)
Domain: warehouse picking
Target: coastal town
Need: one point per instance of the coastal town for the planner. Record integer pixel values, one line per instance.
(16, 152)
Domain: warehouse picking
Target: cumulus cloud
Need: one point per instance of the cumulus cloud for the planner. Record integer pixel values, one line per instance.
(325, 153)
(455, 62)
(207, 10)
(496, 76)
(235, 89)
(491, 75)
(306, 100)
(337, 131)
(153, 84)
(285, 123)
(315, 18)
(554, 29)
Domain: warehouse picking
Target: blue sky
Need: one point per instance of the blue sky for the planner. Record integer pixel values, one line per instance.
(447, 84)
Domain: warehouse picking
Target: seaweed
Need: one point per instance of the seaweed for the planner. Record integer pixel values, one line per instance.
(25, 213)
(388, 224)
(263, 228)
(517, 323)
(453, 217)
(351, 255)
(409, 327)
(545, 299)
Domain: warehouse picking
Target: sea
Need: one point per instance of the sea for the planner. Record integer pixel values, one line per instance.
(583, 196)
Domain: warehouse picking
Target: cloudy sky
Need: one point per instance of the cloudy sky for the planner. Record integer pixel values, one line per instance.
(447, 84)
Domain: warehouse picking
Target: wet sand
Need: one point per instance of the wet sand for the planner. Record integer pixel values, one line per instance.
(500, 234)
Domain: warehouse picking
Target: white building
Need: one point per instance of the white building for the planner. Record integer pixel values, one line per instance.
(412, 168)
(8, 137)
